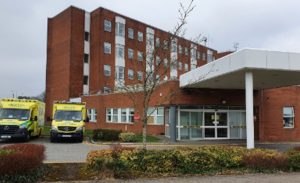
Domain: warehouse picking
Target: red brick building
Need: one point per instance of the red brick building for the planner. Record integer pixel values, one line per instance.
(90, 54)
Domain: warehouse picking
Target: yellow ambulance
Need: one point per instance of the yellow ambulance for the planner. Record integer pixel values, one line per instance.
(21, 118)
(68, 121)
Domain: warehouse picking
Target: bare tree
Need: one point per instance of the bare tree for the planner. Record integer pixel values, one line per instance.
(142, 92)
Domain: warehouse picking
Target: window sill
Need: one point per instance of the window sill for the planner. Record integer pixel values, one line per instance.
(288, 128)
(121, 123)
(156, 124)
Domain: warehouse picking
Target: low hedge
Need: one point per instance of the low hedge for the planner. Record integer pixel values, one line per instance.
(106, 134)
(128, 137)
(129, 162)
(20, 158)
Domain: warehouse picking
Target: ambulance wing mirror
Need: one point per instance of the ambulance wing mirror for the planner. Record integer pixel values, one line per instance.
(87, 119)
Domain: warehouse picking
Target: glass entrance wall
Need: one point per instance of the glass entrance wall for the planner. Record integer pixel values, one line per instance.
(207, 123)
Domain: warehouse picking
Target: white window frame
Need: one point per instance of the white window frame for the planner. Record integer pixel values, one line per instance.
(107, 25)
(157, 42)
(120, 29)
(140, 75)
(154, 113)
(158, 60)
(186, 51)
(292, 116)
(140, 36)
(120, 51)
(107, 48)
(130, 33)
(130, 74)
(140, 56)
(107, 70)
(186, 67)
(129, 115)
(180, 66)
(92, 114)
(130, 53)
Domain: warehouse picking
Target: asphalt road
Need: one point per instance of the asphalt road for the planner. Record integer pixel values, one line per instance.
(64, 151)
(248, 178)
(74, 152)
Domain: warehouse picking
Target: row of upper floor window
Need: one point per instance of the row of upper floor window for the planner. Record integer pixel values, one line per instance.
(120, 31)
(120, 49)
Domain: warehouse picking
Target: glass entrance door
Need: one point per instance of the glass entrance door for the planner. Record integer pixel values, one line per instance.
(215, 125)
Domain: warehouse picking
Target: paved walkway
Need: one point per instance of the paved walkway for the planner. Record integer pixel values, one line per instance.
(251, 178)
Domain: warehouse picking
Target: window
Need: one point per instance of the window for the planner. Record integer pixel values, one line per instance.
(288, 117)
(209, 56)
(203, 56)
(130, 74)
(198, 55)
(107, 25)
(123, 115)
(140, 75)
(107, 48)
(186, 51)
(186, 67)
(119, 73)
(140, 36)
(174, 46)
(180, 49)
(86, 58)
(180, 65)
(131, 115)
(107, 70)
(120, 29)
(166, 63)
(140, 56)
(155, 115)
(92, 115)
(130, 53)
(106, 89)
(130, 33)
(166, 43)
(120, 51)
(86, 36)
(157, 78)
(157, 42)
(114, 115)
(85, 80)
(158, 60)
(120, 115)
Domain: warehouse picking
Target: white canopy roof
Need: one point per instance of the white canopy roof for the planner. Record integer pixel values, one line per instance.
(270, 69)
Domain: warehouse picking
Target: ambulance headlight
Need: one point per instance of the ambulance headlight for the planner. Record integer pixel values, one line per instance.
(54, 128)
(23, 126)
(80, 128)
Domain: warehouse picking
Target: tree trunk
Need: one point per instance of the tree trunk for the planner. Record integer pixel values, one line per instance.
(145, 133)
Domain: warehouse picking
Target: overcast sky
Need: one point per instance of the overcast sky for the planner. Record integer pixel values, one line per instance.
(267, 24)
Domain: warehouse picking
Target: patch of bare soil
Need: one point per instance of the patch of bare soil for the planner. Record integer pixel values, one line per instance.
(71, 172)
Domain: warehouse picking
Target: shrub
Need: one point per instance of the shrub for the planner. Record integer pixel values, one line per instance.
(21, 158)
(106, 134)
(265, 159)
(126, 162)
(128, 137)
(294, 159)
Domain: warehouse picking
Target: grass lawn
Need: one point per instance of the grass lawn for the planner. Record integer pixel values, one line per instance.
(149, 138)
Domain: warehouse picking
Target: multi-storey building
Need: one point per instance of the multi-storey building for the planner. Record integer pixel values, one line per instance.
(91, 54)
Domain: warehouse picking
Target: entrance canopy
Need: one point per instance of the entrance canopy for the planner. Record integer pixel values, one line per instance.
(247, 69)
(271, 69)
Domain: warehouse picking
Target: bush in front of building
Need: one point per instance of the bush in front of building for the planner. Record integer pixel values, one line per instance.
(21, 162)
(260, 160)
(124, 163)
(294, 159)
(106, 134)
(128, 137)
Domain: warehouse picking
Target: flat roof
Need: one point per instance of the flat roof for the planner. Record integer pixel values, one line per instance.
(271, 69)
